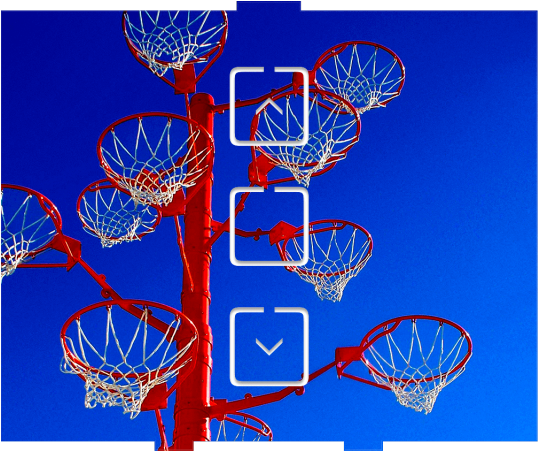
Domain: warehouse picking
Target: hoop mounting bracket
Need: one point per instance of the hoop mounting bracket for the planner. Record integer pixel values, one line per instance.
(280, 232)
(185, 80)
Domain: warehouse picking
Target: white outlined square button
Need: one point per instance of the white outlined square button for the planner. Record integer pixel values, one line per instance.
(238, 383)
(306, 109)
(306, 227)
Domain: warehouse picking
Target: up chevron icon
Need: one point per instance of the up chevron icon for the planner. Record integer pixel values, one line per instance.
(304, 126)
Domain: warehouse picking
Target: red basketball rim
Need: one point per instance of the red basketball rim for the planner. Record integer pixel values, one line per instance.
(116, 179)
(333, 224)
(124, 303)
(339, 48)
(48, 207)
(332, 99)
(384, 329)
(216, 52)
(107, 184)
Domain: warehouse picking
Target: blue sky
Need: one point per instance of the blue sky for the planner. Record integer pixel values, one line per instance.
(444, 179)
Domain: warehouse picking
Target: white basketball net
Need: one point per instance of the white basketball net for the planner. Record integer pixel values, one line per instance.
(416, 370)
(114, 217)
(118, 381)
(335, 257)
(170, 39)
(331, 133)
(26, 227)
(151, 157)
(365, 75)
(245, 431)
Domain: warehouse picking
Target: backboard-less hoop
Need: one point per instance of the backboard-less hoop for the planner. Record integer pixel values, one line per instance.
(139, 347)
(334, 128)
(113, 216)
(415, 356)
(242, 427)
(366, 74)
(339, 250)
(30, 222)
(163, 40)
(154, 155)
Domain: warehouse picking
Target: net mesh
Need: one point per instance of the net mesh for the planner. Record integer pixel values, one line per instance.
(112, 379)
(115, 217)
(337, 253)
(171, 39)
(26, 227)
(154, 156)
(242, 428)
(416, 372)
(333, 129)
(365, 75)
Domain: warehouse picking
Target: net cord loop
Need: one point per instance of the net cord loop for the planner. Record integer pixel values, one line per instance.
(330, 264)
(28, 228)
(416, 386)
(336, 130)
(192, 40)
(153, 173)
(123, 384)
(366, 74)
(113, 216)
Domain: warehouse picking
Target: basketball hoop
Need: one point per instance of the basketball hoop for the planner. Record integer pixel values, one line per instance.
(415, 366)
(246, 428)
(113, 216)
(338, 251)
(163, 40)
(334, 128)
(367, 75)
(123, 366)
(30, 222)
(153, 156)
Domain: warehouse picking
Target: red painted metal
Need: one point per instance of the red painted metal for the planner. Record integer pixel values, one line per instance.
(69, 246)
(347, 355)
(222, 406)
(324, 225)
(179, 201)
(193, 395)
(339, 48)
(184, 83)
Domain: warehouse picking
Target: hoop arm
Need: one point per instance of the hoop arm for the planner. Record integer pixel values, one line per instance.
(225, 226)
(108, 292)
(366, 381)
(221, 227)
(64, 244)
(223, 406)
(160, 426)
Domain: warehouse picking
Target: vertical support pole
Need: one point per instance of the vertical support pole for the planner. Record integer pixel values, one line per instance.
(193, 395)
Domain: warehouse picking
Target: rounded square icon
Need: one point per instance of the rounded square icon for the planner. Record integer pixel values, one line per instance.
(267, 349)
(306, 227)
(305, 127)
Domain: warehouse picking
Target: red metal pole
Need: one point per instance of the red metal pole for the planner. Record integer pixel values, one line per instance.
(193, 395)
